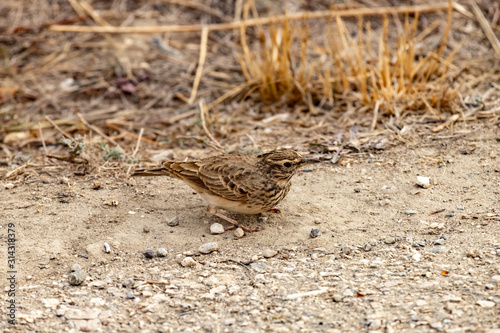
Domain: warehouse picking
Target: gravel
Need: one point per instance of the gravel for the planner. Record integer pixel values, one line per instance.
(384, 287)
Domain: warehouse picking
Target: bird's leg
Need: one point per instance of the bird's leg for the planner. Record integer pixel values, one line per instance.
(274, 210)
(235, 224)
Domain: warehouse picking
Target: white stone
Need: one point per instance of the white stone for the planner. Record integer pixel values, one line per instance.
(424, 182)
(486, 304)
(208, 247)
(188, 262)
(216, 229)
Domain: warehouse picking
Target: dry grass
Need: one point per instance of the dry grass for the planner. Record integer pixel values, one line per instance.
(377, 73)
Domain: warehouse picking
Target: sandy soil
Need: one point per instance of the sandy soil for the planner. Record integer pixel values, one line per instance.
(373, 268)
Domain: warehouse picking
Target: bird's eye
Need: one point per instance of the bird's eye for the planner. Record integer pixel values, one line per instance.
(287, 164)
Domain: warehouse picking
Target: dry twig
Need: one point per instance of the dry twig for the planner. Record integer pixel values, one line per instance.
(96, 129)
(495, 43)
(203, 109)
(379, 11)
(201, 62)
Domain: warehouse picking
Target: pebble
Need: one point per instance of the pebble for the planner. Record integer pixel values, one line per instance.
(337, 298)
(436, 225)
(188, 262)
(77, 275)
(130, 295)
(268, 253)
(107, 248)
(460, 207)
(390, 240)
(216, 229)
(315, 233)
(208, 247)
(76, 278)
(423, 182)
(258, 265)
(410, 212)
(173, 222)
(417, 256)
(149, 254)
(161, 252)
(439, 241)
(146, 230)
(367, 247)
(486, 304)
(9, 186)
(238, 232)
(384, 202)
(346, 250)
(128, 283)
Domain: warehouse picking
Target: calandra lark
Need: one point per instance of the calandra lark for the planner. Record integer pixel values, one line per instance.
(240, 183)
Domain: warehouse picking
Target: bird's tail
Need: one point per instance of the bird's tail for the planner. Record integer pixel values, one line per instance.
(160, 171)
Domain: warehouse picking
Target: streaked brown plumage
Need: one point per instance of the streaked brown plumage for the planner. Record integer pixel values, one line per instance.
(240, 183)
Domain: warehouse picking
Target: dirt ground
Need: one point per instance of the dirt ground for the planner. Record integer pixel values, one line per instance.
(376, 266)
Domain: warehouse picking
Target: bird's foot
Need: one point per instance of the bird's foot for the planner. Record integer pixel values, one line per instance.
(235, 224)
(274, 210)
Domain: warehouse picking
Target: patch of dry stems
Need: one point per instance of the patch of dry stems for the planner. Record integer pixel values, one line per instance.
(377, 73)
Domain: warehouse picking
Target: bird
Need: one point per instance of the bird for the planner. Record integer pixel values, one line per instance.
(243, 183)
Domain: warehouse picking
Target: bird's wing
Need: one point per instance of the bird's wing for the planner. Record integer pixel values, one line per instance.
(232, 179)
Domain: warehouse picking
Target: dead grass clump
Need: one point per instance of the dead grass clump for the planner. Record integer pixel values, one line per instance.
(371, 70)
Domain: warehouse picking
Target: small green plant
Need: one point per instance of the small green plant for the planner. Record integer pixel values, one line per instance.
(75, 146)
(131, 160)
(113, 153)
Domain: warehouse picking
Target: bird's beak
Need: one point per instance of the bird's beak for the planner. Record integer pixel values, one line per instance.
(309, 161)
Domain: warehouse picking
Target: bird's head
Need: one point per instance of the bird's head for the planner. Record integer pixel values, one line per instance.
(282, 164)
